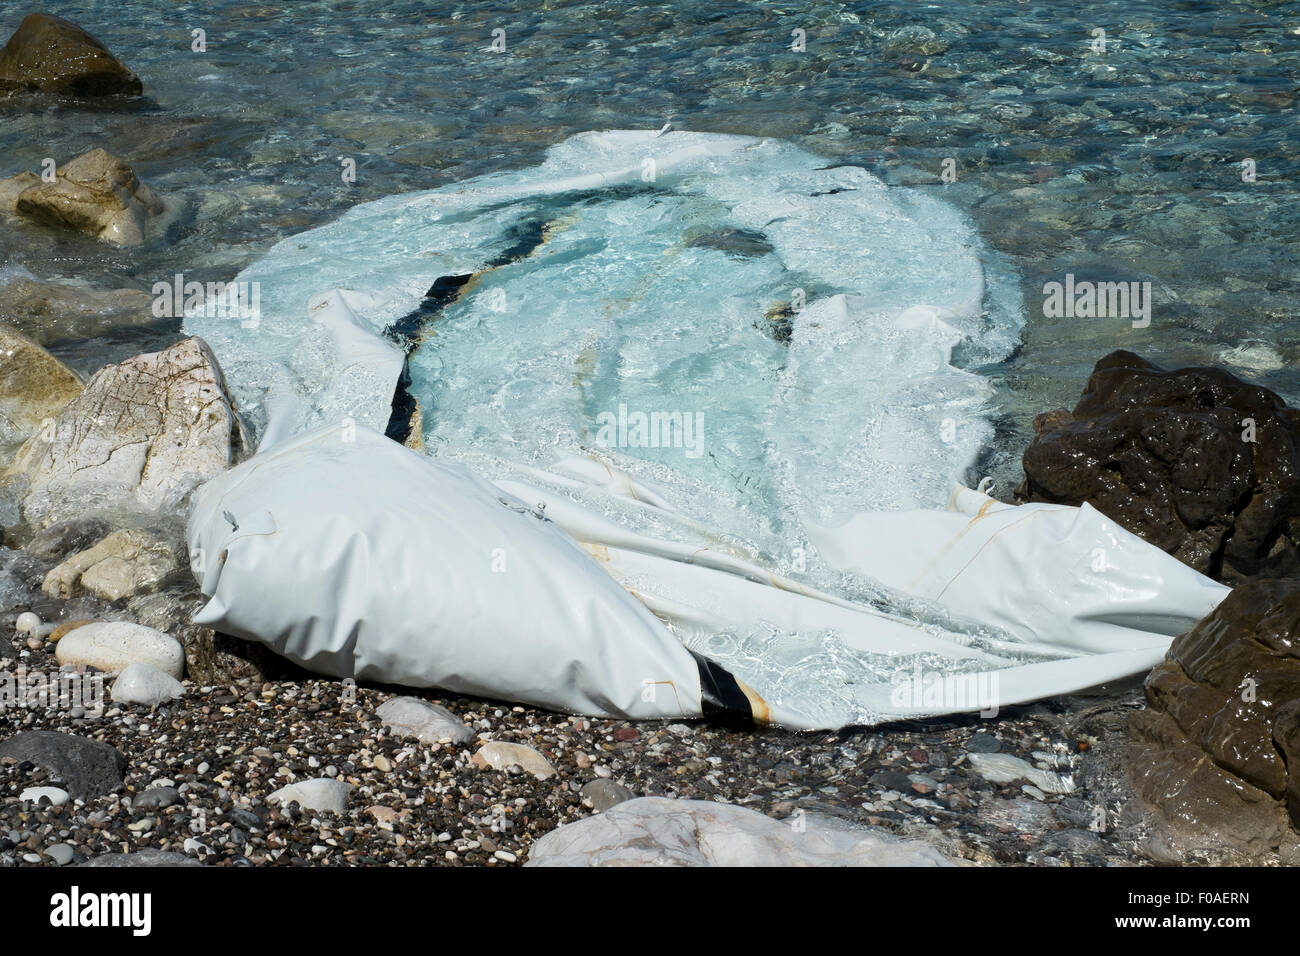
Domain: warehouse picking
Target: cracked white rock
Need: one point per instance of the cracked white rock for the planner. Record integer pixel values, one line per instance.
(656, 831)
(122, 564)
(428, 723)
(1004, 768)
(141, 435)
(145, 684)
(321, 795)
(111, 646)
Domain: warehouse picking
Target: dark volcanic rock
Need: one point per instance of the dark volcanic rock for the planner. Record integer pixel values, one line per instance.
(1217, 752)
(1196, 461)
(52, 55)
(87, 768)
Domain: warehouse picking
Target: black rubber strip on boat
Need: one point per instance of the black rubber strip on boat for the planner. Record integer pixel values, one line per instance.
(721, 698)
(399, 420)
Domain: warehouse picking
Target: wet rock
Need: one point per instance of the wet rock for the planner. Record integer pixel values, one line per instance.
(1006, 768)
(144, 684)
(170, 609)
(53, 55)
(1217, 752)
(87, 768)
(1196, 461)
(914, 38)
(34, 386)
(111, 646)
(143, 434)
(321, 795)
(50, 312)
(216, 660)
(95, 193)
(65, 537)
(123, 564)
(428, 723)
(600, 795)
(498, 755)
(655, 831)
(12, 187)
(145, 857)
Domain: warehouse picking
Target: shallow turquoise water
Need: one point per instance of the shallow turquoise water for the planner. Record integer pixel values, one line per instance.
(1115, 166)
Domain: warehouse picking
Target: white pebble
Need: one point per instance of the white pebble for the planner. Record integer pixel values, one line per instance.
(56, 796)
(27, 622)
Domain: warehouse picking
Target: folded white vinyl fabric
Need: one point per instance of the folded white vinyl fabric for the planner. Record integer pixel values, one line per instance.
(356, 557)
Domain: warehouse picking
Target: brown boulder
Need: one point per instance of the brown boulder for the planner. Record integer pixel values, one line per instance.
(1196, 461)
(95, 193)
(1217, 752)
(52, 55)
(34, 387)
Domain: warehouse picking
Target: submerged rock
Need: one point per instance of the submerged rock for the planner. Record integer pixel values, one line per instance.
(914, 38)
(121, 565)
(95, 193)
(34, 386)
(54, 55)
(86, 768)
(1196, 461)
(51, 312)
(1005, 768)
(656, 831)
(1217, 752)
(142, 435)
(12, 187)
(66, 537)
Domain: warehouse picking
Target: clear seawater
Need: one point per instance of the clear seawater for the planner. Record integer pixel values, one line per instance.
(1122, 165)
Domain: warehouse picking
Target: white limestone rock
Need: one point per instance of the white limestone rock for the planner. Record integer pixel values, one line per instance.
(124, 563)
(498, 755)
(321, 795)
(656, 831)
(111, 646)
(428, 723)
(140, 436)
(145, 684)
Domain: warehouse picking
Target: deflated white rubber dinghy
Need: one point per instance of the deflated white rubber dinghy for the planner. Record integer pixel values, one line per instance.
(795, 324)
